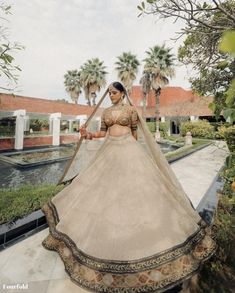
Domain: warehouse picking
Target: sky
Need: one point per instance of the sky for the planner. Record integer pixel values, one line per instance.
(62, 35)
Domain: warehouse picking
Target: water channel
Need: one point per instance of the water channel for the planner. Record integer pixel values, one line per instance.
(38, 166)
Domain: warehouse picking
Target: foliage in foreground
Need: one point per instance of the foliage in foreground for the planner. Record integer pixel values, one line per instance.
(218, 275)
(16, 203)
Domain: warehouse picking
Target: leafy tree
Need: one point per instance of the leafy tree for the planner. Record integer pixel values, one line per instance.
(205, 23)
(127, 68)
(158, 68)
(7, 67)
(93, 78)
(72, 84)
(227, 45)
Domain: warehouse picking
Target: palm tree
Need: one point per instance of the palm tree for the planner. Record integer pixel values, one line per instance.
(159, 64)
(127, 68)
(92, 78)
(72, 84)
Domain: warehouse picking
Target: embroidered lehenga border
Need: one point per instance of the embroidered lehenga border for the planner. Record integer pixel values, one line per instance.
(150, 274)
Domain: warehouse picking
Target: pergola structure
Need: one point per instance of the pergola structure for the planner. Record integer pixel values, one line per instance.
(23, 118)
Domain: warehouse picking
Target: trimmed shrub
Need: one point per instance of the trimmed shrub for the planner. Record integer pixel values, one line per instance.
(164, 127)
(151, 126)
(15, 203)
(200, 128)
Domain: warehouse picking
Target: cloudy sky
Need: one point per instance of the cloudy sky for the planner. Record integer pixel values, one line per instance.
(61, 35)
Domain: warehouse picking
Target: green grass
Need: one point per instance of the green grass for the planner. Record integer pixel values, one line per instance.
(16, 203)
(185, 150)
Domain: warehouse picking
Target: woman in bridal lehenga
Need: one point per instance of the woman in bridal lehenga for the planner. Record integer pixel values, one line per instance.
(124, 224)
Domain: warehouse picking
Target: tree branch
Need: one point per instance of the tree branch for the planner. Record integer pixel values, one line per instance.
(220, 7)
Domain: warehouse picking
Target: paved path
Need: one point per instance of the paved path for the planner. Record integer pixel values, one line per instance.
(28, 263)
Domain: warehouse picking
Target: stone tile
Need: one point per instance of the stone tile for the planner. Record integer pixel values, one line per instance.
(29, 261)
(59, 272)
(5, 255)
(197, 171)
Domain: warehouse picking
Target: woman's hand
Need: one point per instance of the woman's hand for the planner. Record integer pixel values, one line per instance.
(83, 131)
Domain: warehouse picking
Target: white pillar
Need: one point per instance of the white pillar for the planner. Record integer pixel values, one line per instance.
(163, 119)
(194, 118)
(55, 118)
(19, 129)
(82, 119)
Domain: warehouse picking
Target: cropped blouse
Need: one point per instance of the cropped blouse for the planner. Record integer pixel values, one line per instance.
(124, 115)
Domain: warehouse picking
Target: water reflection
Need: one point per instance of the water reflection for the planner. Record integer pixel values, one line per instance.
(13, 177)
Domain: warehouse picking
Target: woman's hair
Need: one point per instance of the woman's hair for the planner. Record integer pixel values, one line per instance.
(118, 86)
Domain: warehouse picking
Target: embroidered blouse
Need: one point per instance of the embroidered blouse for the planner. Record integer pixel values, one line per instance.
(124, 115)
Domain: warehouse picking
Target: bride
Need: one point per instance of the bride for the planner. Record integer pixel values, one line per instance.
(131, 228)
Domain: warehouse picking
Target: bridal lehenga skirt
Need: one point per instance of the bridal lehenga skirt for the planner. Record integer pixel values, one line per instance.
(120, 227)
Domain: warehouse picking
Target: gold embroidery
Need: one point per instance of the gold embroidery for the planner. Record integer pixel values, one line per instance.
(123, 115)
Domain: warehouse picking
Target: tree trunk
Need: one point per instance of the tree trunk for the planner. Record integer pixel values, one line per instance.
(157, 109)
(144, 106)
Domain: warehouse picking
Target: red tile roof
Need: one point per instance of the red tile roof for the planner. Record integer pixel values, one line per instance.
(174, 101)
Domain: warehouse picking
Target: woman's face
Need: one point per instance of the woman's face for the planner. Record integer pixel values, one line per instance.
(115, 95)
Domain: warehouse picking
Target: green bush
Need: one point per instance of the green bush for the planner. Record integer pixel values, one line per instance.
(16, 203)
(200, 128)
(151, 126)
(218, 274)
(229, 135)
(38, 124)
(164, 127)
(7, 130)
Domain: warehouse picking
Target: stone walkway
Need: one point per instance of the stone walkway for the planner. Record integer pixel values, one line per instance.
(29, 266)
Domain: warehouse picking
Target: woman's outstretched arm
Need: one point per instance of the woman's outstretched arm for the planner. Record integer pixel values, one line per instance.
(90, 135)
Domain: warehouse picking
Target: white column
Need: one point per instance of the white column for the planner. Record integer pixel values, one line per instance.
(194, 118)
(163, 119)
(82, 119)
(55, 118)
(19, 129)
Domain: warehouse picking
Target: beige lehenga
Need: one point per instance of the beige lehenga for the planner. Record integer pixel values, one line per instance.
(124, 224)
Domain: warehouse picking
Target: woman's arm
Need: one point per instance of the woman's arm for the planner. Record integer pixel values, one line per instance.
(89, 135)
